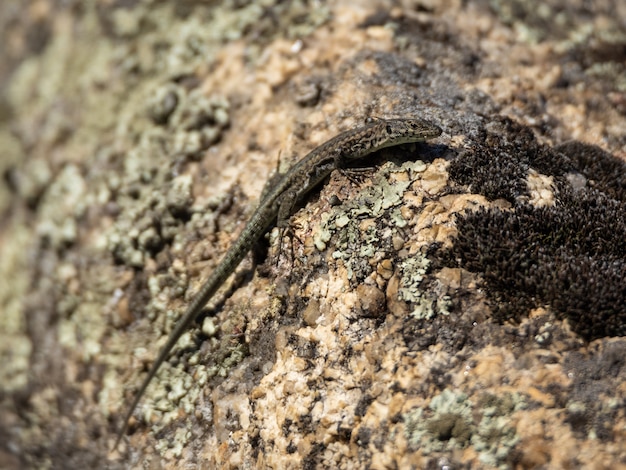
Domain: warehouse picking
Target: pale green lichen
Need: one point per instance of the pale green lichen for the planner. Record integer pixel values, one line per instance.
(397, 219)
(426, 302)
(235, 355)
(382, 201)
(61, 205)
(452, 422)
(493, 439)
(413, 270)
(494, 436)
(446, 427)
(155, 206)
(382, 197)
(15, 345)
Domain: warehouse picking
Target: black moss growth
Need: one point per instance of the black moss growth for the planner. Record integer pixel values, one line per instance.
(496, 167)
(571, 256)
(604, 172)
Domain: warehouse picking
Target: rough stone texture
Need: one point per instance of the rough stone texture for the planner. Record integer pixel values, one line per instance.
(461, 304)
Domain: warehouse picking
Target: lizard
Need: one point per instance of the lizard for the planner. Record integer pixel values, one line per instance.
(277, 204)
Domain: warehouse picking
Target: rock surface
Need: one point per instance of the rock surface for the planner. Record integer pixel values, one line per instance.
(461, 304)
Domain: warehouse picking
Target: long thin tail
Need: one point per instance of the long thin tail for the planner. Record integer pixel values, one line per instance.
(226, 267)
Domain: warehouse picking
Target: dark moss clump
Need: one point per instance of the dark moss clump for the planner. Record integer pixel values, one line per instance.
(571, 256)
(604, 172)
(497, 163)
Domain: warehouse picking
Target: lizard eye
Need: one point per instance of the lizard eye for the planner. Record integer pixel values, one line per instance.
(388, 129)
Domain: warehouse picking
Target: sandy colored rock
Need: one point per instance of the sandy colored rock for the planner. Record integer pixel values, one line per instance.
(416, 315)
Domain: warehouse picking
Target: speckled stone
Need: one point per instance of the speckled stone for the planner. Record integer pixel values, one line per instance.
(457, 304)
